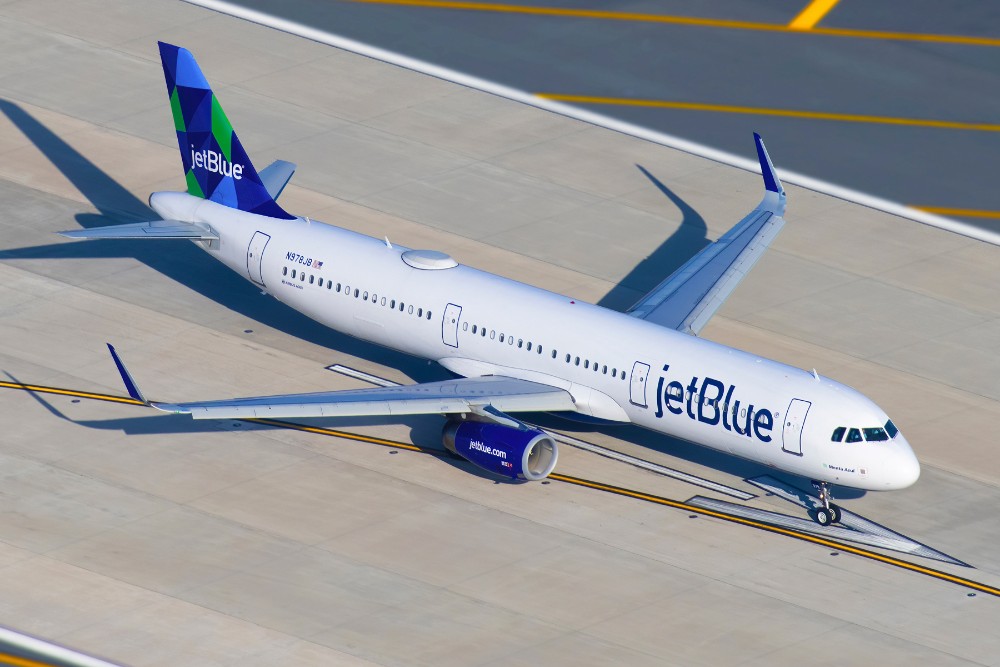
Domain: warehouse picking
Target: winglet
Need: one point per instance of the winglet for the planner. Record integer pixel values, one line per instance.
(774, 197)
(130, 385)
(771, 182)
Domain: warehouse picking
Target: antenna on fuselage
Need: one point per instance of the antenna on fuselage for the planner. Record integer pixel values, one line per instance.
(387, 244)
(816, 375)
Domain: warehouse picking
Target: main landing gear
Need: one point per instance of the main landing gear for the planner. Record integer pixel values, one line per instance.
(827, 513)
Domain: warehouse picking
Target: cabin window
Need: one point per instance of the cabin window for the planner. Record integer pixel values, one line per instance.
(392, 304)
(420, 312)
(374, 297)
(554, 353)
(294, 273)
(577, 361)
(312, 279)
(493, 334)
(474, 329)
(854, 435)
(539, 348)
(383, 301)
(501, 338)
(604, 369)
(366, 295)
(284, 271)
(482, 332)
(319, 282)
(567, 358)
(329, 285)
(529, 346)
(400, 306)
(338, 287)
(623, 375)
(520, 343)
(838, 433)
(409, 310)
(302, 277)
(465, 326)
(357, 292)
(510, 340)
(595, 366)
(586, 363)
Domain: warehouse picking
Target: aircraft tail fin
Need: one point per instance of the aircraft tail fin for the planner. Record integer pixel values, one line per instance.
(215, 164)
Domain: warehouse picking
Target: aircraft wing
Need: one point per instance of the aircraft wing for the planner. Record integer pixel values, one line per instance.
(687, 299)
(461, 395)
(157, 229)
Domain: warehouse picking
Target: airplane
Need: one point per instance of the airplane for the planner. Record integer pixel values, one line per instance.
(513, 348)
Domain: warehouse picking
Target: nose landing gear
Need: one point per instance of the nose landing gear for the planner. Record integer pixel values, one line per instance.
(827, 513)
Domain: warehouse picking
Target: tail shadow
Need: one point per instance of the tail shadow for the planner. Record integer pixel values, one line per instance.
(690, 237)
(181, 261)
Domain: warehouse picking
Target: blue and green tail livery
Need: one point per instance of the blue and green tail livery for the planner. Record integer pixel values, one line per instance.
(215, 165)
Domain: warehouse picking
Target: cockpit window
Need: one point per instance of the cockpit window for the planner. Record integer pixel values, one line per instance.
(876, 434)
(838, 433)
(854, 435)
(891, 429)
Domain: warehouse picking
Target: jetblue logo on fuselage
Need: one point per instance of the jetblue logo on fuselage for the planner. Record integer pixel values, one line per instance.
(712, 402)
(216, 163)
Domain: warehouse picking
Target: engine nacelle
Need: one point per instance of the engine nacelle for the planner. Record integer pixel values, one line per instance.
(524, 453)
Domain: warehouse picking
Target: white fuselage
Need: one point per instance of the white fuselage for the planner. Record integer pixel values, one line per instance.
(616, 367)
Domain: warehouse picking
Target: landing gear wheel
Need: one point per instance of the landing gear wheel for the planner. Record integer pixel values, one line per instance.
(824, 517)
(834, 513)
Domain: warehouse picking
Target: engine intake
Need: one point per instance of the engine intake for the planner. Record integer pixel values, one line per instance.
(518, 453)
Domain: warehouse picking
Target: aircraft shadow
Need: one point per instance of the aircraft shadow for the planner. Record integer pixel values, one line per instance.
(688, 239)
(181, 261)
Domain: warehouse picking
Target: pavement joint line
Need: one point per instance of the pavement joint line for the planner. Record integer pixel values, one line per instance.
(577, 481)
(812, 14)
(583, 115)
(764, 111)
(606, 15)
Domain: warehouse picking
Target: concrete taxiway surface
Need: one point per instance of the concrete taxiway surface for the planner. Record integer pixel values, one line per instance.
(154, 540)
(895, 98)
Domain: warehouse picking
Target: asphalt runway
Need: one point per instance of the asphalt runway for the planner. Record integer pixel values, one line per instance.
(915, 122)
(155, 540)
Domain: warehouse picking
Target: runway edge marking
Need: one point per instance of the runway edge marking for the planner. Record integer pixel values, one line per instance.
(576, 481)
(592, 118)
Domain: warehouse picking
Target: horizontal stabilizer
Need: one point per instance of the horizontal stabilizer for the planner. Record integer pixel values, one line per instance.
(157, 229)
(275, 177)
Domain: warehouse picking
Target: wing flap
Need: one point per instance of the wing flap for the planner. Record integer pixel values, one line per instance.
(156, 229)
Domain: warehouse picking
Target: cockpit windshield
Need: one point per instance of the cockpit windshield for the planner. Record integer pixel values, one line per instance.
(876, 434)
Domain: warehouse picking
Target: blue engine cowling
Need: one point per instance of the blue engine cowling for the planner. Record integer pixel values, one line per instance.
(518, 453)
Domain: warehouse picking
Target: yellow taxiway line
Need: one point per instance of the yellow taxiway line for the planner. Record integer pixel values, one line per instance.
(576, 481)
(958, 212)
(764, 111)
(812, 14)
(685, 20)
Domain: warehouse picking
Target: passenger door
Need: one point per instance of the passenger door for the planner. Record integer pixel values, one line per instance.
(795, 418)
(449, 325)
(637, 387)
(255, 253)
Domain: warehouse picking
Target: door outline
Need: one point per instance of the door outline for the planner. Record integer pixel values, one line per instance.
(255, 253)
(795, 419)
(637, 384)
(449, 325)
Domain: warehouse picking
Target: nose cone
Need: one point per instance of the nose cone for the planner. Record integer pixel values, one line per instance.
(903, 466)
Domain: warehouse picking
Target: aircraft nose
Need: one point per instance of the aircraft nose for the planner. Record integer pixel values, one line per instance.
(905, 466)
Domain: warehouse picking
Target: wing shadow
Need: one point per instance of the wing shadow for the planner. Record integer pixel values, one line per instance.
(688, 239)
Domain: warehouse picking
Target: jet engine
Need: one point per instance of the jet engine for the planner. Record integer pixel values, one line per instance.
(519, 453)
